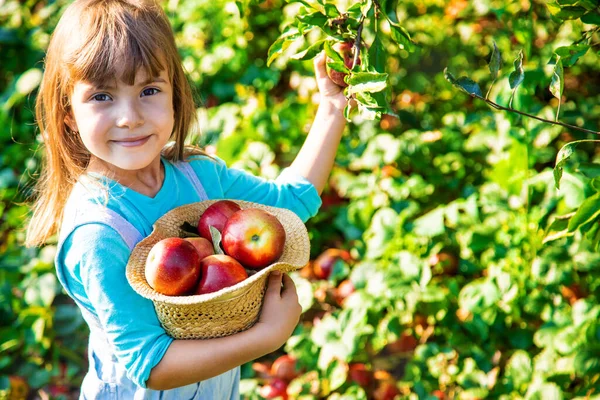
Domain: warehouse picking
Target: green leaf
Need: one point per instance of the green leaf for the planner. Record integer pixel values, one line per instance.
(463, 83)
(558, 229)
(337, 372)
(516, 77)
(367, 82)
(587, 212)
(565, 12)
(519, 368)
(592, 18)
(495, 64)
(281, 44)
(558, 84)
(563, 156)
(570, 54)
(216, 239)
(401, 37)
(314, 19)
(331, 53)
(311, 52)
(378, 55)
(331, 10)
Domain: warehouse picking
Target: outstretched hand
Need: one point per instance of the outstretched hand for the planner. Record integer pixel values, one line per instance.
(330, 92)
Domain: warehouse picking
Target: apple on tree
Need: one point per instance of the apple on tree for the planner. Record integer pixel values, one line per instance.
(219, 271)
(325, 262)
(346, 51)
(254, 237)
(216, 215)
(173, 266)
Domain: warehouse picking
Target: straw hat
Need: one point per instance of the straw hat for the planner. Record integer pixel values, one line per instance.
(230, 310)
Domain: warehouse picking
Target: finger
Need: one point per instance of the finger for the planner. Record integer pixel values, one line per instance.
(319, 64)
(289, 287)
(274, 284)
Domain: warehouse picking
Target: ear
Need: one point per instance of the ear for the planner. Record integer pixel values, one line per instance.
(70, 122)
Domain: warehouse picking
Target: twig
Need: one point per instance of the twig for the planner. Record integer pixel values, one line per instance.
(357, 41)
(499, 107)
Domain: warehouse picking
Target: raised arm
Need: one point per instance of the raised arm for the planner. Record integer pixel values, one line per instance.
(190, 361)
(316, 157)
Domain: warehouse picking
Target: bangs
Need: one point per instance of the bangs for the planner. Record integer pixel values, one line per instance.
(116, 45)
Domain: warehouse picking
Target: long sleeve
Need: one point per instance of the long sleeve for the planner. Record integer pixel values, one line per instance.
(94, 258)
(289, 190)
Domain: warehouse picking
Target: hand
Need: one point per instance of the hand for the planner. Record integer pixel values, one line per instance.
(281, 311)
(330, 92)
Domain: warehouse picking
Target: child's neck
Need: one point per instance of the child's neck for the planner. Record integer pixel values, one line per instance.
(147, 181)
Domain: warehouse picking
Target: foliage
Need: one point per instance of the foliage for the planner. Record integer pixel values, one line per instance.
(472, 230)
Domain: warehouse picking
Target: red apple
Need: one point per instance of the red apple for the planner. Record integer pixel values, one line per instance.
(202, 245)
(344, 289)
(254, 237)
(406, 343)
(346, 51)
(387, 390)
(216, 215)
(358, 372)
(284, 368)
(274, 388)
(173, 266)
(262, 369)
(444, 263)
(324, 264)
(219, 271)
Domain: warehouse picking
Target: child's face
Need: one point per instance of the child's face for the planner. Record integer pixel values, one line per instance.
(125, 126)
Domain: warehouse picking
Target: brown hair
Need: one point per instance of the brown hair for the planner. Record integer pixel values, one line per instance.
(91, 36)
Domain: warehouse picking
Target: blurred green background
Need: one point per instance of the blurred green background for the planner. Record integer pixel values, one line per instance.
(438, 216)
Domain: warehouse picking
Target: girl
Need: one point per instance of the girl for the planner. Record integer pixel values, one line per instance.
(115, 108)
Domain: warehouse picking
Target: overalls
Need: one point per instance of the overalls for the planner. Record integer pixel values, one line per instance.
(106, 378)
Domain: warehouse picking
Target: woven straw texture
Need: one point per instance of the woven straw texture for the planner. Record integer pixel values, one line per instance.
(230, 310)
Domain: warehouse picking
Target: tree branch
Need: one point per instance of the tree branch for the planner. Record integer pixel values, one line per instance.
(358, 41)
(499, 107)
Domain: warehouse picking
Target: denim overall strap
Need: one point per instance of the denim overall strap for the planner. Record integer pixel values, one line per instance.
(106, 216)
(188, 171)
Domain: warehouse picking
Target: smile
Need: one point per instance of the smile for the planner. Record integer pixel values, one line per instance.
(133, 142)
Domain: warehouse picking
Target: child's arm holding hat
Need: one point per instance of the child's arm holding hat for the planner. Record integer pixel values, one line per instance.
(190, 361)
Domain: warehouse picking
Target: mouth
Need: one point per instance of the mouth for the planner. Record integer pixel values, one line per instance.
(132, 142)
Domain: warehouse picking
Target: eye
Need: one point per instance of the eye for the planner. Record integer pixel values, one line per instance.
(150, 91)
(100, 97)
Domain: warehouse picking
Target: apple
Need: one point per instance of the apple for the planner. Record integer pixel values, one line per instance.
(387, 390)
(262, 369)
(344, 289)
(444, 263)
(202, 245)
(18, 387)
(406, 343)
(216, 215)
(275, 388)
(254, 237)
(346, 50)
(219, 271)
(323, 265)
(284, 368)
(358, 372)
(173, 266)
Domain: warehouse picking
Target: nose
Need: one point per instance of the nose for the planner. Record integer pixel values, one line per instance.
(130, 116)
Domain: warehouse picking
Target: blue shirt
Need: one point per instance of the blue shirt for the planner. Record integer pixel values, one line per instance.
(92, 259)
